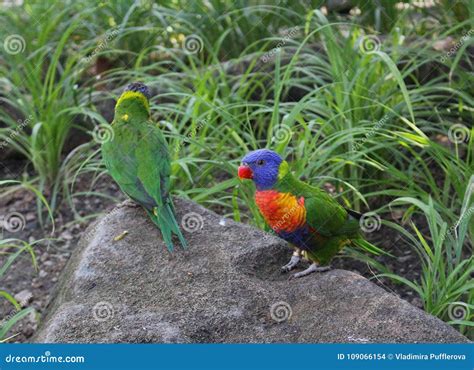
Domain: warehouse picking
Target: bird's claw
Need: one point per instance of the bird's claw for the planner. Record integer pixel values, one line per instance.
(313, 268)
(292, 264)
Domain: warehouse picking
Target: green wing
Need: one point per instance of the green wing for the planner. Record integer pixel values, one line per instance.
(327, 216)
(323, 213)
(154, 167)
(137, 158)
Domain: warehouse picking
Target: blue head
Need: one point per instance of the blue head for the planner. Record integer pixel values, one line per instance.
(139, 87)
(262, 166)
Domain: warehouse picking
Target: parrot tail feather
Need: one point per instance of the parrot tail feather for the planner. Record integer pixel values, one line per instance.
(163, 227)
(175, 226)
(164, 218)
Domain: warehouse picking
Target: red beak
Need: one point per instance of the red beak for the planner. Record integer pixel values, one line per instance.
(245, 172)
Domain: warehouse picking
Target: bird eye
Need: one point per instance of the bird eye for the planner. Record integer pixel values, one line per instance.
(260, 162)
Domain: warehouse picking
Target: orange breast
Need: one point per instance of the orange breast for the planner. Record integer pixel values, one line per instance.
(282, 211)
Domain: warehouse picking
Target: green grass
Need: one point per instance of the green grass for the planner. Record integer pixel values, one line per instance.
(364, 103)
(446, 282)
(13, 248)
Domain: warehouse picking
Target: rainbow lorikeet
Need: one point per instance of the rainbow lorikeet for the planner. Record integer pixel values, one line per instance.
(138, 160)
(316, 225)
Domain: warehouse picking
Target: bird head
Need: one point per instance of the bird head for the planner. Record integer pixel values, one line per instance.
(139, 87)
(263, 167)
(134, 101)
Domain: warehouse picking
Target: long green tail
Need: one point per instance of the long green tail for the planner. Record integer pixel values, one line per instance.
(164, 218)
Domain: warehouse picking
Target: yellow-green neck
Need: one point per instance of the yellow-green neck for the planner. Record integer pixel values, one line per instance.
(132, 104)
(283, 169)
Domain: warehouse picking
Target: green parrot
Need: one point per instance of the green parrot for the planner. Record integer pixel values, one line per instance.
(308, 218)
(138, 160)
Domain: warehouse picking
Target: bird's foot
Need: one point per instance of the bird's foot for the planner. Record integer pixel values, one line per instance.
(313, 268)
(128, 203)
(295, 259)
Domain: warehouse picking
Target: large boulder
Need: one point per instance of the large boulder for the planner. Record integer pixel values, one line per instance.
(226, 287)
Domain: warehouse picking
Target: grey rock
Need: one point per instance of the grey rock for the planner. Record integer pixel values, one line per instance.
(226, 287)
